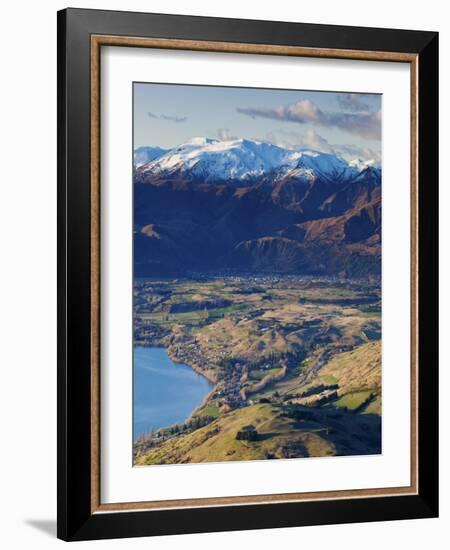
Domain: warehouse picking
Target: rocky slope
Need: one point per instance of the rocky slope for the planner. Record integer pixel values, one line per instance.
(211, 205)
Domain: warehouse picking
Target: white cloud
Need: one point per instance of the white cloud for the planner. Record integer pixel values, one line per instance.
(364, 124)
(170, 118)
(224, 134)
(310, 139)
(353, 102)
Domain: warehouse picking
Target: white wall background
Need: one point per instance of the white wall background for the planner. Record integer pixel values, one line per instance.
(28, 272)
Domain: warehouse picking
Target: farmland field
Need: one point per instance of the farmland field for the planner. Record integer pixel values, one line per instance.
(296, 359)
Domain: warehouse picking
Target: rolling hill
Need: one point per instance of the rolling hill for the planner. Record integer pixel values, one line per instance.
(325, 433)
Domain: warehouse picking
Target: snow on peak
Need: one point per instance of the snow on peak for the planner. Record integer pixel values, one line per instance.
(361, 164)
(325, 165)
(142, 155)
(243, 160)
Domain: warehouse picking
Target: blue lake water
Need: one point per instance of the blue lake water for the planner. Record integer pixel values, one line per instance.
(164, 392)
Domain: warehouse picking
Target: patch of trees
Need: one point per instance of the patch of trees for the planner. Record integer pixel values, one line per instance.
(298, 414)
(247, 433)
(194, 424)
(226, 363)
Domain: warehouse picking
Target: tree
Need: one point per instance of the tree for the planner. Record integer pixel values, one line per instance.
(226, 363)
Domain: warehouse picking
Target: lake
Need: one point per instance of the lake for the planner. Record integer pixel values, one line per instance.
(164, 392)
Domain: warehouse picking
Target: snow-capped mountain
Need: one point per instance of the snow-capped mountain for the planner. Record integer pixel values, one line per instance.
(213, 160)
(311, 165)
(361, 164)
(209, 205)
(142, 155)
(244, 160)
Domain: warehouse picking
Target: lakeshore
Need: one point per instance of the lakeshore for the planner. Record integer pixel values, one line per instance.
(296, 357)
(166, 392)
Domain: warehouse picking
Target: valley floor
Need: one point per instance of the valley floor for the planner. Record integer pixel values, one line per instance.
(295, 362)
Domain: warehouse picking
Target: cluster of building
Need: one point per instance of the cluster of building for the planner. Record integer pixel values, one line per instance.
(231, 394)
(147, 333)
(188, 352)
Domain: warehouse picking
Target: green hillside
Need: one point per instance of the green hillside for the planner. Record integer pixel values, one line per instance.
(284, 431)
(358, 373)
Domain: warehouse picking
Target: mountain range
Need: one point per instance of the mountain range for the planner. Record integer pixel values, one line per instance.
(243, 205)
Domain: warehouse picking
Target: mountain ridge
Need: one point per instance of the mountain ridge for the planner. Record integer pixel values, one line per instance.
(211, 205)
(243, 160)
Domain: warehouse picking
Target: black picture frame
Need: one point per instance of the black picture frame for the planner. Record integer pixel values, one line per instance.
(75, 518)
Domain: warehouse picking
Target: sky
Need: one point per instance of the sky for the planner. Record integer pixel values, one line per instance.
(348, 124)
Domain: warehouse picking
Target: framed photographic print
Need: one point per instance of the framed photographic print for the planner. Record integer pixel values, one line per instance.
(247, 274)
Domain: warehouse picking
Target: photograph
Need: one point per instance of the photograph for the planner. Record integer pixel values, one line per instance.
(247, 273)
(257, 286)
(224, 277)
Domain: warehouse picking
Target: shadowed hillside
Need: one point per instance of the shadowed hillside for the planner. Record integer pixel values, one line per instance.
(250, 206)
